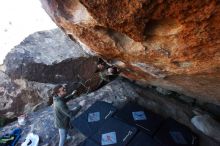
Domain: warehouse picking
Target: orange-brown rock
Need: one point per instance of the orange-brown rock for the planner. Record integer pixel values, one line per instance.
(174, 44)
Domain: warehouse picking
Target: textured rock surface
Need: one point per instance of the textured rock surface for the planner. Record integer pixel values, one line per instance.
(167, 43)
(20, 96)
(117, 92)
(42, 122)
(46, 47)
(49, 56)
(33, 67)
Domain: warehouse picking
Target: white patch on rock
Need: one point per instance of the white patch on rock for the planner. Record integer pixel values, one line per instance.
(2, 68)
(22, 83)
(126, 44)
(207, 125)
(28, 108)
(118, 63)
(9, 114)
(155, 72)
(81, 15)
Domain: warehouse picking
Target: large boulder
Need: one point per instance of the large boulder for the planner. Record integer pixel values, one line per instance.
(33, 67)
(49, 57)
(167, 43)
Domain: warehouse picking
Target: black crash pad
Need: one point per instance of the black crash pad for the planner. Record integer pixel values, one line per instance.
(89, 122)
(143, 139)
(173, 133)
(114, 133)
(88, 142)
(136, 115)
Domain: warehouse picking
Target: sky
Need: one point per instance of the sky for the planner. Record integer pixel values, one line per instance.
(18, 19)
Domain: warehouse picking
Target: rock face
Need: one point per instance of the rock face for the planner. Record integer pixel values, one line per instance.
(32, 69)
(42, 121)
(49, 57)
(167, 43)
(118, 92)
(20, 96)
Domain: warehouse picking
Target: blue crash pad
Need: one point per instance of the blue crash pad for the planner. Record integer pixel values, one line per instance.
(114, 132)
(143, 139)
(91, 120)
(88, 142)
(173, 133)
(145, 120)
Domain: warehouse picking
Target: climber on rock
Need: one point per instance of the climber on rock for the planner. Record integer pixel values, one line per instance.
(62, 114)
(106, 73)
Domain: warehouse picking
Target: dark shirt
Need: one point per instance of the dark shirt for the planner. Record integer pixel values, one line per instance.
(62, 114)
